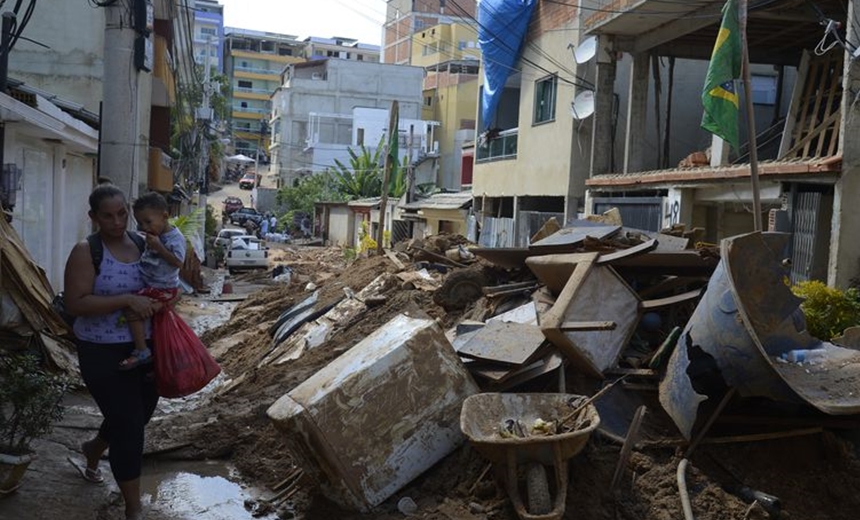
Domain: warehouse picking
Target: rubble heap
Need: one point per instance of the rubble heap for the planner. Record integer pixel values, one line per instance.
(334, 371)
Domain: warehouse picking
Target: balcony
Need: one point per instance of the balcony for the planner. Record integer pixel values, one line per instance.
(159, 175)
(252, 90)
(164, 83)
(250, 112)
(257, 70)
(502, 148)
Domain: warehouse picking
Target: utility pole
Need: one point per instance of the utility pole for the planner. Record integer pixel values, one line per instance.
(124, 132)
(394, 116)
(204, 115)
(410, 171)
(5, 47)
(742, 19)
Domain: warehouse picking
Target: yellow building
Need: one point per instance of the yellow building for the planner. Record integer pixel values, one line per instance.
(450, 56)
(254, 64)
(443, 43)
(533, 164)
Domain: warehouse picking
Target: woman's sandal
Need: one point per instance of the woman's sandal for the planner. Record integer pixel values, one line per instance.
(90, 475)
(136, 359)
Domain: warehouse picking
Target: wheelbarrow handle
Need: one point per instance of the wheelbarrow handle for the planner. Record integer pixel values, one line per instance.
(560, 481)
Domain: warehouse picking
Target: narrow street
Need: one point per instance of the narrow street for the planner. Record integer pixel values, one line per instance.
(502, 259)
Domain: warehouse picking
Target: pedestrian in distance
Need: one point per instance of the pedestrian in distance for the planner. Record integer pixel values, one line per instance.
(102, 279)
(273, 223)
(264, 227)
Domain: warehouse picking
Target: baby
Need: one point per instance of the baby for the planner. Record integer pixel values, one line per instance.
(159, 265)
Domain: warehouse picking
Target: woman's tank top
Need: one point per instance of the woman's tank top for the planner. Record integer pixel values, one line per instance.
(114, 278)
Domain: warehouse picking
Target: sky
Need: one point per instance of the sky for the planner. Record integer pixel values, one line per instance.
(359, 19)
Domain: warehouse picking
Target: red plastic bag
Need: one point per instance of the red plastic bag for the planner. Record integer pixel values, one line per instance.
(182, 363)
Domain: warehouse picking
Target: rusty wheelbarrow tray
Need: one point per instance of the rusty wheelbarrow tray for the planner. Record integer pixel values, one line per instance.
(482, 417)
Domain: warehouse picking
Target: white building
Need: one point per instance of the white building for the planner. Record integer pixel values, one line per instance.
(73, 63)
(325, 107)
(209, 34)
(343, 48)
(50, 158)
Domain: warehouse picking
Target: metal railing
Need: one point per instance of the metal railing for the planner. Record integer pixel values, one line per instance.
(256, 70)
(503, 147)
(252, 90)
(251, 110)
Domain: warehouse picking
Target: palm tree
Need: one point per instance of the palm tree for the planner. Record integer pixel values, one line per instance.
(362, 178)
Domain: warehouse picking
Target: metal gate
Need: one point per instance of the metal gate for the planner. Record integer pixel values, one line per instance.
(530, 223)
(497, 232)
(806, 209)
(636, 212)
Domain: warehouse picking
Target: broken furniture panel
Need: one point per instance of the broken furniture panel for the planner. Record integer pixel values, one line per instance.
(571, 237)
(379, 415)
(595, 313)
(502, 342)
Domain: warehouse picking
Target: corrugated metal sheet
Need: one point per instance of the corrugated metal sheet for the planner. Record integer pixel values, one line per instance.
(636, 212)
(497, 232)
(530, 223)
(442, 201)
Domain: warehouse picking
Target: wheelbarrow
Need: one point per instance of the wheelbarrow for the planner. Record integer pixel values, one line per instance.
(484, 420)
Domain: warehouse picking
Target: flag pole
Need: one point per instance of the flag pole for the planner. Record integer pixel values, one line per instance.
(393, 129)
(753, 146)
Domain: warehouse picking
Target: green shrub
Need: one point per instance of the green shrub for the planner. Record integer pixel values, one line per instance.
(30, 401)
(828, 311)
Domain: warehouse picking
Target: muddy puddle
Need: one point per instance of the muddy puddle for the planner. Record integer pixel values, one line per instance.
(192, 490)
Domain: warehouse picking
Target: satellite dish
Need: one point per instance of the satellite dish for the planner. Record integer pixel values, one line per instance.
(586, 50)
(583, 105)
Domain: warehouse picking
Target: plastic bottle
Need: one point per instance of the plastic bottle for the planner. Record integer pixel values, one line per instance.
(805, 356)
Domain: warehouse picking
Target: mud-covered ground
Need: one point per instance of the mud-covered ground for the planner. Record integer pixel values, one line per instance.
(815, 476)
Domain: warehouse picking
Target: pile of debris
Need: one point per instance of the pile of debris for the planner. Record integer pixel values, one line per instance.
(370, 375)
(27, 318)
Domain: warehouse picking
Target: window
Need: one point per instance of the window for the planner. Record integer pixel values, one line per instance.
(243, 104)
(245, 84)
(209, 31)
(359, 57)
(764, 89)
(462, 44)
(428, 101)
(360, 137)
(285, 51)
(545, 90)
(332, 54)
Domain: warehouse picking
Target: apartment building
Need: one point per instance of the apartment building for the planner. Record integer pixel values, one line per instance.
(339, 47)
(254, 61)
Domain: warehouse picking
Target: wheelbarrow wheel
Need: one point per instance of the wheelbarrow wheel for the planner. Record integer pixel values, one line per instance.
(537, 490)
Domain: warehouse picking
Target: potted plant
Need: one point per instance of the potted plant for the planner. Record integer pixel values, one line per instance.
(30, 402)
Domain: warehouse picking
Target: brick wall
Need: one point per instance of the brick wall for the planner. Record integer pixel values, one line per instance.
(549, 16)
(436, 6)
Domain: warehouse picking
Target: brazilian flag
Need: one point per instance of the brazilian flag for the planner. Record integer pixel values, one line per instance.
(720, 97)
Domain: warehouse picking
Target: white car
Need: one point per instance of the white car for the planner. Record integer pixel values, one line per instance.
(226, 235)
(246, 252)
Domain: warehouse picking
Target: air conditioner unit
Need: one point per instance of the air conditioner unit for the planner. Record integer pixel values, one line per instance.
(316, 75)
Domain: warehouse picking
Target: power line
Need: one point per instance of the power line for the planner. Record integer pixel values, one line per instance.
(513, 51)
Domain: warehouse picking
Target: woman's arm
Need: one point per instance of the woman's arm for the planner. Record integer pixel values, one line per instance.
(80, 276)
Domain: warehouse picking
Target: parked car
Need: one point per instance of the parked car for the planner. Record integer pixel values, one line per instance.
(246, 252)
(239, 216)
(231, 204)
(225, 236)
(248, 181)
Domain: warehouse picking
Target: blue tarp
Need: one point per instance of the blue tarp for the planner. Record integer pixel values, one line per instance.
(502, 29)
